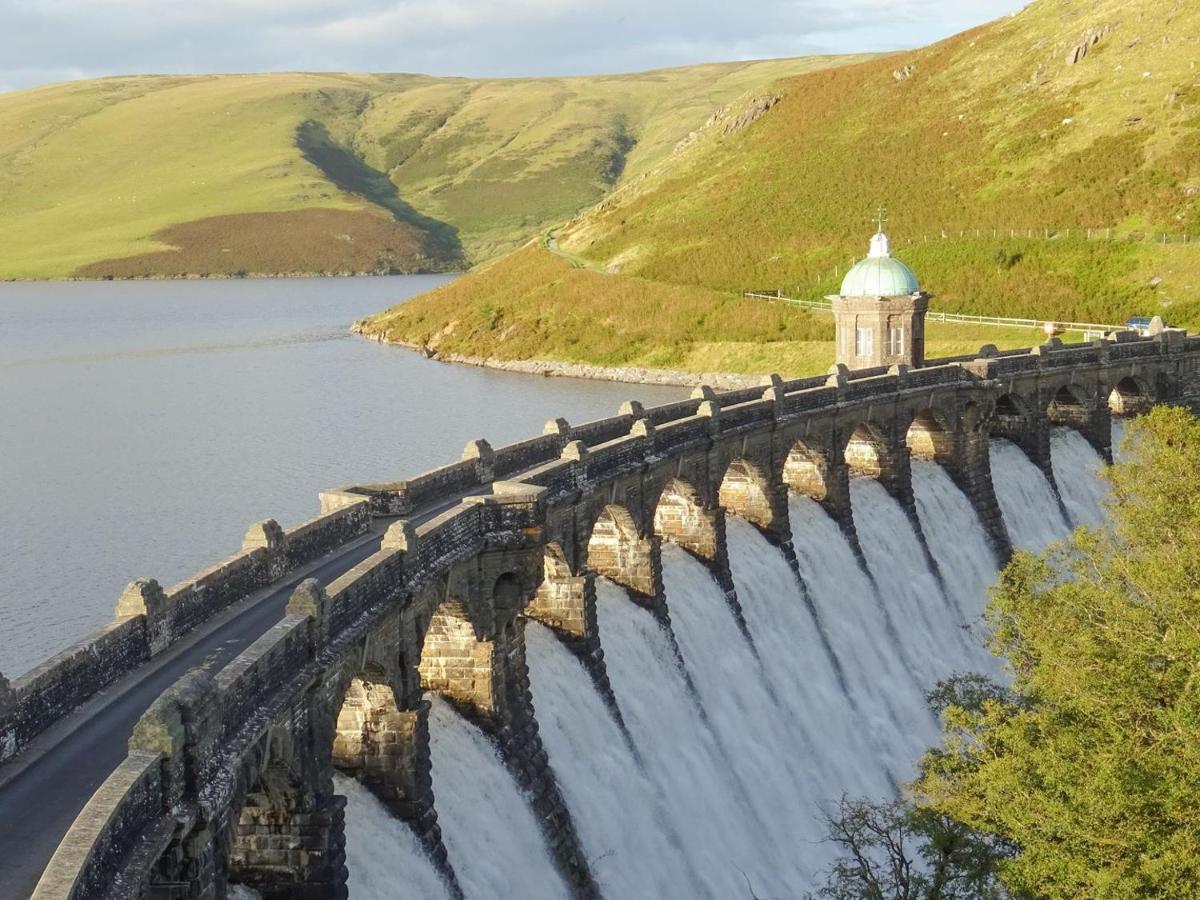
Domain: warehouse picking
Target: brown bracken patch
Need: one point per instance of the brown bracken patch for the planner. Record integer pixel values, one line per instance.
(298, 242)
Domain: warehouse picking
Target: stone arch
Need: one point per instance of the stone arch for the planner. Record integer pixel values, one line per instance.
(457, 663)
(1010, 412)
(286, 832)
(928, 437)
(1069, 405)
(680, 517)
(561, 599)
(508, 594)
(806, 471)
(866, 451)
(745, 491)
(1130, 396)
(617, 551)
(366, 722)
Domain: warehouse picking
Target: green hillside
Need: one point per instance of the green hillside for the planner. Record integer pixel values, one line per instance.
(328, 172)
(995, 151)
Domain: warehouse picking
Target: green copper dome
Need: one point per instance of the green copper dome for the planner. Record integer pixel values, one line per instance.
(880, 274)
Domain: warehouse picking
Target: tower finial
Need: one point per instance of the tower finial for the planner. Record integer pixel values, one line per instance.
(880, 218)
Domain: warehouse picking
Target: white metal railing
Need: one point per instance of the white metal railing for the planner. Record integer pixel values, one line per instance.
(958, 318)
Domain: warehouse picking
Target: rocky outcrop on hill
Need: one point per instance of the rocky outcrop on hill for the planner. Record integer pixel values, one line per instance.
(1091, 38)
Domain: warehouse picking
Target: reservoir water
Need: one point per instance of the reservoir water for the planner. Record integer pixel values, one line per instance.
(146, 424)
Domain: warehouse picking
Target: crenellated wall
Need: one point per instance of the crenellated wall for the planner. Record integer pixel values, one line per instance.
(229, 777)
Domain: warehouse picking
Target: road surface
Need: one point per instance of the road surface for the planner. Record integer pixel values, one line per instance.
(43, 790)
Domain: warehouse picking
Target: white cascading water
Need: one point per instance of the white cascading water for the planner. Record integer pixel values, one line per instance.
(964, 557)
(1031, 512)
(724, 790)
(878, 677)
(1118, 440)
(717, 831)
(630, 842)
(490, 832)
(382, 854)
(929, 626)
(1077, 470)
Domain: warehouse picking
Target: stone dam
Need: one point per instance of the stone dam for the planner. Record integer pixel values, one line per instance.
(634, 657)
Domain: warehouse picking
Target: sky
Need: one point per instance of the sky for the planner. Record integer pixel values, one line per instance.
(56, 40)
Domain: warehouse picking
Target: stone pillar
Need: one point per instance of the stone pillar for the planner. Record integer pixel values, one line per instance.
(969, 465)
(836, 503)
(566, 604)
(291, 844)
(184, 725)
(387, 749)
(267, 535)
(1098, 430)
(513, 726)
(144, 597)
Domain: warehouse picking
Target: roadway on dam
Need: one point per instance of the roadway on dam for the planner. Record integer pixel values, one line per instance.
(43, 790)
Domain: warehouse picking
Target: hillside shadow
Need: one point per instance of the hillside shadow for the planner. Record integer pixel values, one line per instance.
(350, 173)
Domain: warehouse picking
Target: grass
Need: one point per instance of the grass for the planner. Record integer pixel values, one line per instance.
(535, 305)
(974, 138)
(103, 170)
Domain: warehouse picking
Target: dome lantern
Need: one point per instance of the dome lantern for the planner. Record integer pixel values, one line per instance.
(880, 310)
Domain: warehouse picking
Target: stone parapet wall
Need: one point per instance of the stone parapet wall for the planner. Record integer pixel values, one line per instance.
(148, 620)
(45, 695)
(115, 820)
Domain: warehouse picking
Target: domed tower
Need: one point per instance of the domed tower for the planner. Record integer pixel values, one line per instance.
(880, 312)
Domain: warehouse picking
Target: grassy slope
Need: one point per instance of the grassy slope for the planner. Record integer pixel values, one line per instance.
(92, 171)
(539, 306)
(992, 129)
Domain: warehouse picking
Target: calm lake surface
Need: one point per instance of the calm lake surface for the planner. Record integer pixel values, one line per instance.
(145, 425)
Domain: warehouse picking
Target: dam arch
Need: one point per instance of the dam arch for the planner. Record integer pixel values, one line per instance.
(866, 452)
(1131, 396)
(681, 518)
(806, 470)
(929, 437)
(746, 491)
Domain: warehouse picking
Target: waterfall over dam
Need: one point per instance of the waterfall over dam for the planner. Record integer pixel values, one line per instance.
(734, 731)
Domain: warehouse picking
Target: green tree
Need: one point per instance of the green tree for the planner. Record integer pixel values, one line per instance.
(1090, 764)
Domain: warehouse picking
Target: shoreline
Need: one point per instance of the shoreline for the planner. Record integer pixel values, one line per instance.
(256, 276)
(549, 368)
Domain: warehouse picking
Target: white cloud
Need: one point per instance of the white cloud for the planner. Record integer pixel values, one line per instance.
(57, 39)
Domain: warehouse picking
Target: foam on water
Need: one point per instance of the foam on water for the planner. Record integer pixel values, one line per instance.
(928, 626)
(383, 855)
(1031, 512)
(619, 813)
(681, 758)
(746, 720)
(491, 836)
(960, 548)
(1118, 440)
(1077, 470)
